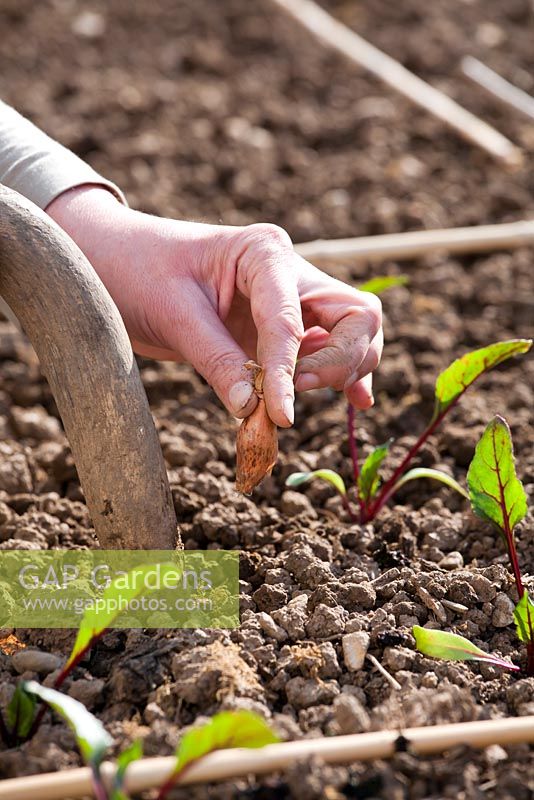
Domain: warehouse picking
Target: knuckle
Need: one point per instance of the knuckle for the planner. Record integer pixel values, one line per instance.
(290, 321)
(218, 368)
(269, 235)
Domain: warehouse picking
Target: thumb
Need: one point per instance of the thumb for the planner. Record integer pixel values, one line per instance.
(195, 330)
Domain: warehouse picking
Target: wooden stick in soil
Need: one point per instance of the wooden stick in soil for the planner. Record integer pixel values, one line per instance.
(149, 773)
(85, 353)
(398, 246)
(498, 86)
(337, 35)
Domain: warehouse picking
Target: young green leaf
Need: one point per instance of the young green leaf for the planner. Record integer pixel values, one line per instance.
(383, 282)
(127, 757)
(21, 712)
(368, 479)
(452, 647)
(298, 478)
(524, 619)
(115, 600)
(93, 740)
(495, 491)
(454, 381)
(433, 474)
(226, 729)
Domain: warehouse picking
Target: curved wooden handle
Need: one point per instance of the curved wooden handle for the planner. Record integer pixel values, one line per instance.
(86, 355)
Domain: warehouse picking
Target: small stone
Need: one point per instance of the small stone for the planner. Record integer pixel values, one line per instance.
(355, 646)
(35, 423)
(152, 713)
(35, 661)
(87, 692)
(350, 715)
(89, 25)
(503, 611)
(453, 560)
(270, 627)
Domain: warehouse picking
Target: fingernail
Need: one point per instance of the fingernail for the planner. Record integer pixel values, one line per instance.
(289, 410)
(307, 380)
(239, 395)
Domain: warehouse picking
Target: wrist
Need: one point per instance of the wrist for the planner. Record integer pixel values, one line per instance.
(90, 215)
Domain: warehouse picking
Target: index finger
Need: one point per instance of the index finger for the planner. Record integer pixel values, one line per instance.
(268, 278)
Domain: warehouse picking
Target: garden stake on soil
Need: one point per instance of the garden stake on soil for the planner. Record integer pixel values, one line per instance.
(149, 773)
(346, 41)
(397, 246)
(84, 350)
(496, 85)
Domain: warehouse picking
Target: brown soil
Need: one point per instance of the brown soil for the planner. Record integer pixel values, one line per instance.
(228, 111)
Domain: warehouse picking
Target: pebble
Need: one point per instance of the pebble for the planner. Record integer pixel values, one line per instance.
(355, 646)
(350, 715)
(35, 661)
(503, 611)
(87, 692)
(270, 627)
(453, 560)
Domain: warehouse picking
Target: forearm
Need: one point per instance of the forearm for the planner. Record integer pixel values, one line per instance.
(36, 166)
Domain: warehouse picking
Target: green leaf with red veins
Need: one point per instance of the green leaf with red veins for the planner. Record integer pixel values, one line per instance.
(454, 381)
(369, 479)
(524, 619)
(452, 647)
(495, 491)
(226, 729)
(382, 283)
(115, 600)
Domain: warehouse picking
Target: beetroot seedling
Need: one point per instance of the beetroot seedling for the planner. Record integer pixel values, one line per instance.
(497, 496)
(371, 493)
(23, 718)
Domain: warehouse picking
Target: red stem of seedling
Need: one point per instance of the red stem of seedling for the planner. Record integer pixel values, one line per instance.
(65, 672)
(353, 450)
(96, 780)
(387, 489)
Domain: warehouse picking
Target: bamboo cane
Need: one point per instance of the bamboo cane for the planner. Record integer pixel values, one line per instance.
(476, 239)
(225, 764)
(498, 86)
(341, 38)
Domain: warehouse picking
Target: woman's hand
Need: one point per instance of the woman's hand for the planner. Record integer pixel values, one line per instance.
(217, 295)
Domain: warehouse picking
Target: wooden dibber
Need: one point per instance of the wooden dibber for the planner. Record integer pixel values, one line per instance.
(86, 355)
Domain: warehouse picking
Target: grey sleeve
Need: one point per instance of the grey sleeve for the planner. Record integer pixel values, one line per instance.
(38, 167)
